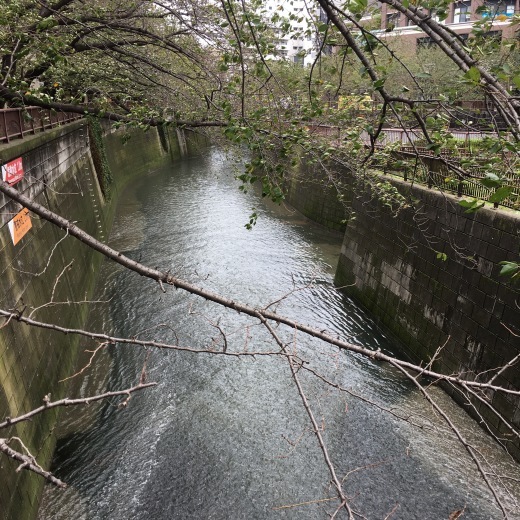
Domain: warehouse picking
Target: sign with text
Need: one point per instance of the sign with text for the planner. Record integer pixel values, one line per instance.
(19, 225)
(12, 172)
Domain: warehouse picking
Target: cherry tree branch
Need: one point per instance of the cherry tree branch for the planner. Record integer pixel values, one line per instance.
(49, 405)
(28, 461)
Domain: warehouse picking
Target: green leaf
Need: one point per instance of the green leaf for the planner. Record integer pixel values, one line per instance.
(471, 205)
(491, 181)
(501, 194)
(435, 147)
(358, 6)
(473, 75)
(441, 256)
(509, 268)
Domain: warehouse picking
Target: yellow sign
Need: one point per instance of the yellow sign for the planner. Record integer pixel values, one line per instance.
(19, 225)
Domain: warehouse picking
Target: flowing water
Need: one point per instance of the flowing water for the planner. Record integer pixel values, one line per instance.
(225, 437)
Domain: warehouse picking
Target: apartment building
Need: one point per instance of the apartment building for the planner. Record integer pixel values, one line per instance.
(461, 17)
(299, 43)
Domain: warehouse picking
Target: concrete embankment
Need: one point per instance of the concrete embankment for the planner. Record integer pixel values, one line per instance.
(429, 274)
(48, 275)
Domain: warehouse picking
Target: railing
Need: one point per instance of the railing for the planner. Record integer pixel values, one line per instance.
(16, 123)
(408, 136)
(397, 135)
(432, 170)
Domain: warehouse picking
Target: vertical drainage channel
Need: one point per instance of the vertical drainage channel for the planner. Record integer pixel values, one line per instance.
(89, 171)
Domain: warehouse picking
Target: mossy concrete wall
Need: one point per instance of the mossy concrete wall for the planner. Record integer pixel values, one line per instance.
(321, 194)
(47, 275)
(430, 275)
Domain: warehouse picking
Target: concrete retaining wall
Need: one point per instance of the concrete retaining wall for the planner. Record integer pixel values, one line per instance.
(321, 196)
(46, 267)
(394, 264)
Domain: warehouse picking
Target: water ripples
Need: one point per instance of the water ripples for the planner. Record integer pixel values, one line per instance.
(228, 439)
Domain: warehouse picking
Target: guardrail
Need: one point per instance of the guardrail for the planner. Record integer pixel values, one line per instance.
(16, 123)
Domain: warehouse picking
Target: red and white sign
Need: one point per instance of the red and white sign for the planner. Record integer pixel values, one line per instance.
(12, 172)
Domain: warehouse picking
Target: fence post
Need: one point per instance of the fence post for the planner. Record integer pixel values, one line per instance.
(5, 128)
(31, 115)
(20, 122)
(429, 165)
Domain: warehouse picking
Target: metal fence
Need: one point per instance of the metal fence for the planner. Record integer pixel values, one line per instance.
(431, 170)
(403, 136)
(16, 123)
(408, 136)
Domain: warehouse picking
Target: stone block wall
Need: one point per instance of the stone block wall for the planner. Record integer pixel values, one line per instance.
(430, 275)
(32, 361)
(314, 192)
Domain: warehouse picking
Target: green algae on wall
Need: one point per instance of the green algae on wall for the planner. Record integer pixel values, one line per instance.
(430, 275)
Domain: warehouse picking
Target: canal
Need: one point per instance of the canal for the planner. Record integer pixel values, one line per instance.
(227, 437)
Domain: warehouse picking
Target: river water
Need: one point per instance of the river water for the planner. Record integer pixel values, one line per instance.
(225, 437)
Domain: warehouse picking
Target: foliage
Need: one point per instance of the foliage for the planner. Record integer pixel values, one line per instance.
(201, 64)
(511, 269)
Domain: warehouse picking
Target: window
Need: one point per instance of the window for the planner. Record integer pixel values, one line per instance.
(462, 12)
(392, 20)
(494, 35)
(425, 42)
(498, 8)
